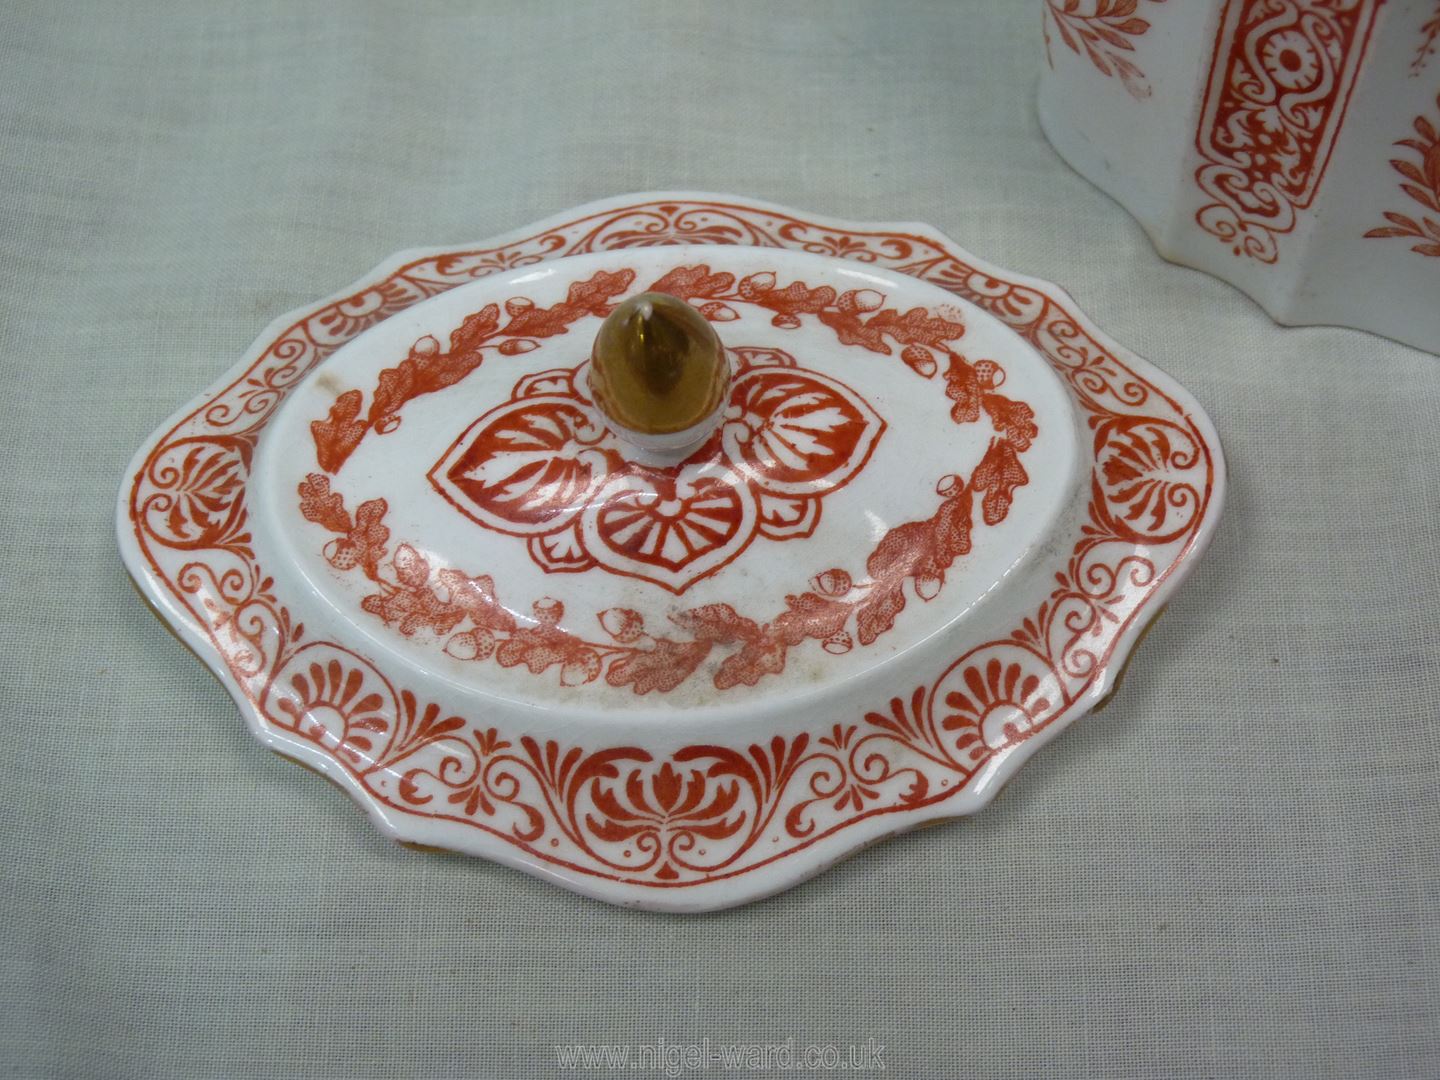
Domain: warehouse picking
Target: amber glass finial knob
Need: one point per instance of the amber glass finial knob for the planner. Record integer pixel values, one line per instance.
(659, 372)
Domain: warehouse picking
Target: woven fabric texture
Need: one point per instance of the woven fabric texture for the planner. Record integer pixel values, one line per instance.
(1233, 871)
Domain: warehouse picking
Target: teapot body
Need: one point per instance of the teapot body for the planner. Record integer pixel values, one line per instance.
(1289, 147)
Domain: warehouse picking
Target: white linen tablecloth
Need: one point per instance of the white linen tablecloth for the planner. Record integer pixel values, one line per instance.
(1234, 871)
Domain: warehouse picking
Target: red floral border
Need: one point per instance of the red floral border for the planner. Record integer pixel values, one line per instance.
(705, 812)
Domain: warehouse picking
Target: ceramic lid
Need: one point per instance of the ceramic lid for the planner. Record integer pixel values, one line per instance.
(923, 528)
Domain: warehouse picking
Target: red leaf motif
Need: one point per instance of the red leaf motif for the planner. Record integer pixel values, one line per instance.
(690, 282)
(916, 327)
(339, 433)
(1424, 198)
(412, 610)
(795, 299)
(998, 475)
(323, 506)
(763, 656)
(1013, 419)
(851, 331)
(1405, 169)
(610, 830)
(595, 294)
(717, 623)
(1388, 232)
(476, 598)
(661, 668)
(589, 297)
(952, 529)
(810, 616)
(539, 648)
(396, 386)
(901, 551)
(410, 566)
(962, 386)
(475, 329)
(717, 830)
(1102, 36)
(878, 612)
(370, 535)
(536, 650)
(919, 550)
(427, 370)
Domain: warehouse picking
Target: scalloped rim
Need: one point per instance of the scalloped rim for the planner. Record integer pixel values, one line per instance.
(800, 864)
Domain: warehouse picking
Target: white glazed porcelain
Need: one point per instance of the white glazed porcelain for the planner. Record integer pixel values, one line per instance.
(1290, 147)
(936, 514)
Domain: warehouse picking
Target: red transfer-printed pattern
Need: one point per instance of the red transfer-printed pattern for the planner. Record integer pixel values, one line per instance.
(1103, 35)
(1420, 179)
(707, 811)
(1280, 82)
(541, 466)
(427, 370)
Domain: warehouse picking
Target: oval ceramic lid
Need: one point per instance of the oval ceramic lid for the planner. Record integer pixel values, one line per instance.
(933, 518)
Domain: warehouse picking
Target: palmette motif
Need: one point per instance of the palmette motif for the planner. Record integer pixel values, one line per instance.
(708, 810)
